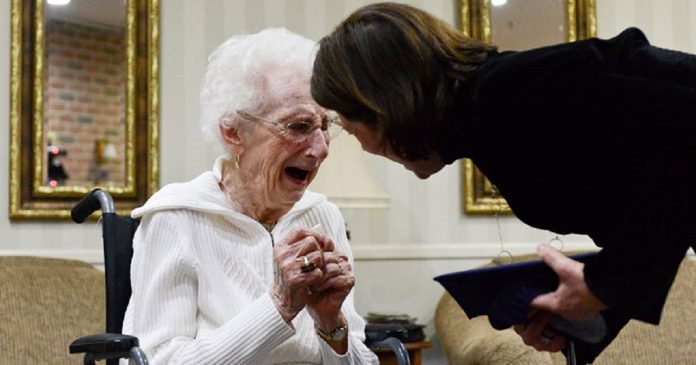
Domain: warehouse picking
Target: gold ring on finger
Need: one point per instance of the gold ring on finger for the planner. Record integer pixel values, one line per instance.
(307, 266)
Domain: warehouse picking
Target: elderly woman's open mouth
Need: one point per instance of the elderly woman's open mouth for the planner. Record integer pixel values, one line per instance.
(297, 174)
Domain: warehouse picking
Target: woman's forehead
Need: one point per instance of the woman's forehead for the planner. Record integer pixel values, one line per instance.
(296, 103)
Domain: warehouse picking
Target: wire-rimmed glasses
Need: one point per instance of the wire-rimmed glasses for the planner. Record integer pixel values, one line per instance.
(299, 130)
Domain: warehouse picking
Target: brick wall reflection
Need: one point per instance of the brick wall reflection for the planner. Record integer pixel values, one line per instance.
(85, 98)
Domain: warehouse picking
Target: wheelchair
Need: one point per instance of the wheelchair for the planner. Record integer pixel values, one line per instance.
(117, 234)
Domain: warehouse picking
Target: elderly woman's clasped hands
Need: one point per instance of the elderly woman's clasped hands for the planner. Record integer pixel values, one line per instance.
(308, 273)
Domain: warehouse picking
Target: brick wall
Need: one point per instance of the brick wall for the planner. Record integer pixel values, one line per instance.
(85, 99)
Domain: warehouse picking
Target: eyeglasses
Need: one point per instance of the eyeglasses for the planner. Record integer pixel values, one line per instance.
(299, 130)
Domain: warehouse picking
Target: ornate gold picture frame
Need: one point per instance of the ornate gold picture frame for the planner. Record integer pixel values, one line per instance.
(33, 196)
(480, 196)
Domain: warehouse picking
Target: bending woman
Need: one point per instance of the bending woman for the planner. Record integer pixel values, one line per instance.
(596, 137)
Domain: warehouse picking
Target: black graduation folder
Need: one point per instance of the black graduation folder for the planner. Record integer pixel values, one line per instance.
(503, 293)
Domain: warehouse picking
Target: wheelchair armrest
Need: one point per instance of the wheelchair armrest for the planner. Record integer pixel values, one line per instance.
(395, 345)
(107, 346)
(103, 343)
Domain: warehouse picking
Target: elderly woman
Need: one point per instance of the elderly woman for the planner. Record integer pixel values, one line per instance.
(243, 265)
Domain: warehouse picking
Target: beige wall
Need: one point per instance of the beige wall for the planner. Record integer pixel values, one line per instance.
(399, 249)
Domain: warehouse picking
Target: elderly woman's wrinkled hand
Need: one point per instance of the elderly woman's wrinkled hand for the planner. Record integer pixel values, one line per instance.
(299, 250)
(328, 295)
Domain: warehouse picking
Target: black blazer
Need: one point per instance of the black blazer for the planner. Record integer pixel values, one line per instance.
(594, 137)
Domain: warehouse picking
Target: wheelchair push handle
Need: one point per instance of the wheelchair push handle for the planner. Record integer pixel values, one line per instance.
(96, 199)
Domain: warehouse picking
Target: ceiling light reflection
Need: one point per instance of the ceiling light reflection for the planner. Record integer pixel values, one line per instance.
(58, 2)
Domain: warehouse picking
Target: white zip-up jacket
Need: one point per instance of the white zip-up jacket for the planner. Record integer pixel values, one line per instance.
(202, 276)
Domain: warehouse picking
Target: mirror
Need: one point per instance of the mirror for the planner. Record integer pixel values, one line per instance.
(84, 104)
(517, 25)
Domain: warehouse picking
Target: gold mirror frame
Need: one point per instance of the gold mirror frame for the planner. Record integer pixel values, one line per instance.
(29, 198)
(480, 196)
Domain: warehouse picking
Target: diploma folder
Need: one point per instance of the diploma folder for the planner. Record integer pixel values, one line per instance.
(503, 293)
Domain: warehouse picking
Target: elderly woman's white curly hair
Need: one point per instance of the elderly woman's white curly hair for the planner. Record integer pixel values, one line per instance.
(251, 72)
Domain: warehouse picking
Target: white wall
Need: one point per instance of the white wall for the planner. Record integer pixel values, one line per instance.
(398, 250)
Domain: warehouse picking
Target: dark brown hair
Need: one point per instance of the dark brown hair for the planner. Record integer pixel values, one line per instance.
(395, 68)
